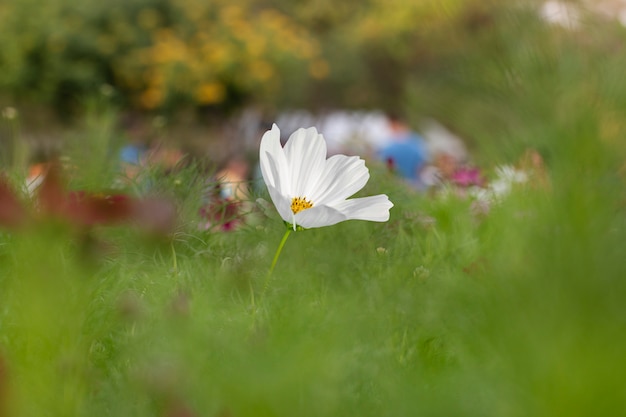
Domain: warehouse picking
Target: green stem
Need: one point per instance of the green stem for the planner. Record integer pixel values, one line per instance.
(279, 250)
(276, 255)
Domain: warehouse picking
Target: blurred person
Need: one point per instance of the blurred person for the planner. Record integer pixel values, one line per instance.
(446, 165)
(233, 179)
(441, 140)
(131, 158)
(132, 154)
(405, 153)
(144, 149)
(139, 156)
(165, 157)
(225, 200)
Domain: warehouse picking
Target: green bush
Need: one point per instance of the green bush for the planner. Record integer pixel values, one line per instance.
(151, 53)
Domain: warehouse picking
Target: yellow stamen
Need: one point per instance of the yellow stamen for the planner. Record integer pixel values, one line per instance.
(299, 203)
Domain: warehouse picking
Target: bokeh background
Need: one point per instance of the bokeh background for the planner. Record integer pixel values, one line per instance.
(469, 64)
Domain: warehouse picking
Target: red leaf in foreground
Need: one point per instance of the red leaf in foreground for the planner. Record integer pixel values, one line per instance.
(88, 209)
(51, 194)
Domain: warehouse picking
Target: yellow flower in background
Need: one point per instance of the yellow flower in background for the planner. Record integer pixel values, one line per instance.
(210, 93)
(311, 191)
(206, 43)
(152, 98)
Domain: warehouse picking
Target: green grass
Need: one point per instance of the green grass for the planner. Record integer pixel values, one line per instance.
(519, 313)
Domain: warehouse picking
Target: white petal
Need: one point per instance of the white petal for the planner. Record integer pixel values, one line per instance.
(319, 216)
(374, 208)
(342, 177)
(306, 154)
(282, 203)
(281, 182)
(274, 166)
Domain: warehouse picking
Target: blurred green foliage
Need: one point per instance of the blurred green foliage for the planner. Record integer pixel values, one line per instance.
(158, 54)
(437, 312)
(153, 53)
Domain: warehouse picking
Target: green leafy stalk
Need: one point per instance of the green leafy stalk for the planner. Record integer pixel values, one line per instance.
(275, 260)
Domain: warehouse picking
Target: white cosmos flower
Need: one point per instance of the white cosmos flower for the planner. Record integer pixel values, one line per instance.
(507, 177)
(309, 190)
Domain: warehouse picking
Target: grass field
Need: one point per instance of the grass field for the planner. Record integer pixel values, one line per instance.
(436, 312)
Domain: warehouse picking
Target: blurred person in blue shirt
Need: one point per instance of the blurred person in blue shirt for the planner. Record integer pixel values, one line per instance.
(405, 152)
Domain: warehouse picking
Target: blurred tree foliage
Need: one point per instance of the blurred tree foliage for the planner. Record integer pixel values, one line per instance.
(164, 54)
(169, 55)
(152, 53)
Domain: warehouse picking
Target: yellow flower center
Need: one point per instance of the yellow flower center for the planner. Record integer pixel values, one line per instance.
(298, 204)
